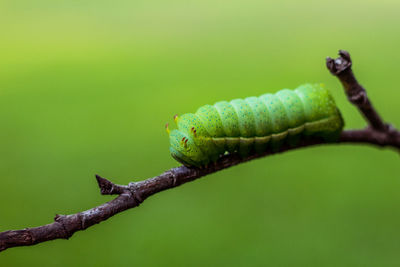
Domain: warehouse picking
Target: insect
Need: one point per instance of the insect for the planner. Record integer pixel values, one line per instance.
(254, 124)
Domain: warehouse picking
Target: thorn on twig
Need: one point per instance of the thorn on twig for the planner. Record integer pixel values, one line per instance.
(106, 187)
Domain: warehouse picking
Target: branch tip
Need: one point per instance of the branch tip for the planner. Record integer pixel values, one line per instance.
(340, 64)
(356, 94)
(345, 55)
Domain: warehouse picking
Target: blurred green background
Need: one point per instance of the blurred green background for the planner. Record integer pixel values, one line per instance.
(87, 86)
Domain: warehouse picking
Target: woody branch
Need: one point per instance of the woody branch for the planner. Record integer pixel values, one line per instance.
(377, 133)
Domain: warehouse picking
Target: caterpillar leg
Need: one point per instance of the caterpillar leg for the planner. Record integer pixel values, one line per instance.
(294, 135)
(261, 144)
(246, 146)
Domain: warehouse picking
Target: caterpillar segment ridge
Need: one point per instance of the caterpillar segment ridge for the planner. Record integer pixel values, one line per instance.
(254, 124)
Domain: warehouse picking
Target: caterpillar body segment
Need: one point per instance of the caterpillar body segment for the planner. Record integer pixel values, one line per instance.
(254, 124)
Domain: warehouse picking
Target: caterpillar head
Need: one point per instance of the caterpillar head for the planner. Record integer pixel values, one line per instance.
(184, 150)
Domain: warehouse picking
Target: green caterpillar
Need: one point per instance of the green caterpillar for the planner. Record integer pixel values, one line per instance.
(254, 124)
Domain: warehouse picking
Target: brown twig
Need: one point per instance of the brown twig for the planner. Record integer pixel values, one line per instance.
(341, 68)
(130, 196)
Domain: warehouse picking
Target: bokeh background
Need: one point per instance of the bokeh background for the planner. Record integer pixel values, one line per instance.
(87, 86)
